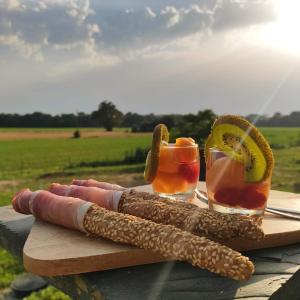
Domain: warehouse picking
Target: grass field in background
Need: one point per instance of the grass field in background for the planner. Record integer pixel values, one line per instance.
(35, 163)
(282, 137)
(31, 158)
(59, 129)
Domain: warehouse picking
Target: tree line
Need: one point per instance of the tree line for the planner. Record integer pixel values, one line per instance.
(108, 116)
(277, 120)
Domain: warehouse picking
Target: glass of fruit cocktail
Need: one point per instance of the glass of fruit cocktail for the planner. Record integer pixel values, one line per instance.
(239, 163)
(172, 168)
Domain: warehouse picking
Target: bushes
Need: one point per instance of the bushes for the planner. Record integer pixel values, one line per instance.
(196, 126)
(76, 134)
(137, 156)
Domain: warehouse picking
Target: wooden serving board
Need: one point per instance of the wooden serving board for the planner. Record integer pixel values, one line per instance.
(52, 250)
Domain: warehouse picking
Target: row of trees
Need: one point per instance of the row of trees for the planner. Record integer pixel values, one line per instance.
(38, 119)
(277, 120)
(108, 116)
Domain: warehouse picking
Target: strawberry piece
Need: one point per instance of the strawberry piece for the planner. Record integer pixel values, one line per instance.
(190, 172)
(253, 198)
(229, 196)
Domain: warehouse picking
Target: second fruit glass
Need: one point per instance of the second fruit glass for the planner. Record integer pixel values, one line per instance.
(227, 190)
(178, 171)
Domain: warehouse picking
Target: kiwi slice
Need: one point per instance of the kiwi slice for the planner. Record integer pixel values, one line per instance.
(243, 142)
(160, 134)
(208, 144)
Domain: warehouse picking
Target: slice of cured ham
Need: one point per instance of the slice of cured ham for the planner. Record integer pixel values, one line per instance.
(60, 210)
(107, 199)
(99, 184)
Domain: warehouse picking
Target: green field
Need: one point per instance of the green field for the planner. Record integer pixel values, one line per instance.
(35, 163)
(58, 129)
(282, 137)
(286, 147)
(32, 158)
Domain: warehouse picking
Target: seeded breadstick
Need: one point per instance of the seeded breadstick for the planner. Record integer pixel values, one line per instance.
(188, 217)
(168, 241)
(183, 215)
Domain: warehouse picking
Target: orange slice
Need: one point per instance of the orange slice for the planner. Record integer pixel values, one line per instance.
(183, 141)
(187, 152)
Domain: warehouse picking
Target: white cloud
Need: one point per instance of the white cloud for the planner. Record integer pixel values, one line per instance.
(80, 33)
(28, 50)
(149, 11)
(135, 29)
(43, 26)
(168, 56)
(12, 4)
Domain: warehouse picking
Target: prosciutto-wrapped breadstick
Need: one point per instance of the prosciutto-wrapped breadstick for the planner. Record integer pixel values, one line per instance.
(188, 217)
(99, 184)
(108, 199)
(66, 211)
(166, 240)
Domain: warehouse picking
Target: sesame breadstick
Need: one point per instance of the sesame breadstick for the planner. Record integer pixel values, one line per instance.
(189, 217)
(168, 241)
(185, 216)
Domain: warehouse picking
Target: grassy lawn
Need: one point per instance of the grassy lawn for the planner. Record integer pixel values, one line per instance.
(35, 163)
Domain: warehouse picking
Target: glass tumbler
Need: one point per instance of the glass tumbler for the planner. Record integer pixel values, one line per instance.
(177, 172)
(227, 190)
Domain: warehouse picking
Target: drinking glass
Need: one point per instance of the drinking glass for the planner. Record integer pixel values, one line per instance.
(177, 171)
(226, 187)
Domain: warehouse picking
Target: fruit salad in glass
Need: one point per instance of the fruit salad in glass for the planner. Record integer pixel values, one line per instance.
(239, 164)
(172, 168)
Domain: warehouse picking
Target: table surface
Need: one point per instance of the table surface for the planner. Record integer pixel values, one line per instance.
(276, 276)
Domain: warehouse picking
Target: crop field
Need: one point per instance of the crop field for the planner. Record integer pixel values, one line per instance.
(54, 133)
(282, 137)
(58, 129)
(36, 157)
(285, 143)
(34, 162)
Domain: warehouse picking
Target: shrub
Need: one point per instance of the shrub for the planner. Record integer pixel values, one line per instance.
(76, 134)
(297, 187)
(137, 156)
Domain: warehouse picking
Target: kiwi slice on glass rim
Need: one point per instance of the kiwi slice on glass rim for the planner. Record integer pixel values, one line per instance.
(208, 144)
(243, 142)
(160, 135)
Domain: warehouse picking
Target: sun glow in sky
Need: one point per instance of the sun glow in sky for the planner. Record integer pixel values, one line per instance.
(284, 33)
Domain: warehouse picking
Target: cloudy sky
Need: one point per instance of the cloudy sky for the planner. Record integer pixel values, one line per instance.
(161, 56)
